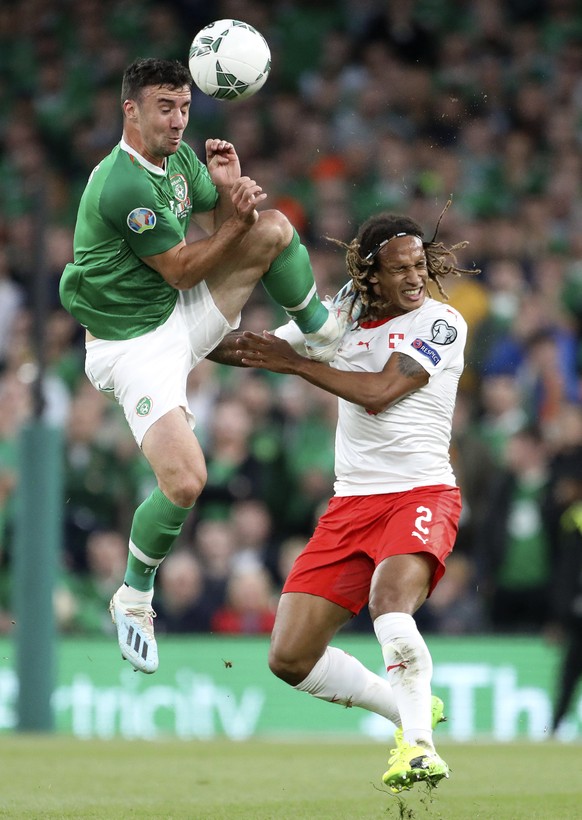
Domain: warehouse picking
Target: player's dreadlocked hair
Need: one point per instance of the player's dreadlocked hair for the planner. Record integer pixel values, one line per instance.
(362, 252)
(146, 71)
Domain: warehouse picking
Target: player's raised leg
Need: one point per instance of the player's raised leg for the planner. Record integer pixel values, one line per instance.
(273, 253)
(301, 656)
(290, 282)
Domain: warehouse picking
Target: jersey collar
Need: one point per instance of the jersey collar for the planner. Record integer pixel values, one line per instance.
(375, 322)
(155, 169)
(378, 322)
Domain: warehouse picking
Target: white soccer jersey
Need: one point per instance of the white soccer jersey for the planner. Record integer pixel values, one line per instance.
(406, 445)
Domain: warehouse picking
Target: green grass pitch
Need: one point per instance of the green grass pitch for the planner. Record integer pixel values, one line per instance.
(61, 777)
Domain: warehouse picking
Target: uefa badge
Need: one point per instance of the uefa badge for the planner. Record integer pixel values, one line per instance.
(141, 219)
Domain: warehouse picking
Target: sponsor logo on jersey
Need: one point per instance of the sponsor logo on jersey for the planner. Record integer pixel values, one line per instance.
(144, 406)
(443, 333)
(426, 350)
(141, 219)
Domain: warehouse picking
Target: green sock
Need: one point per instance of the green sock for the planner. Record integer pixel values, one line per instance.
(156, 525)
(289, 281)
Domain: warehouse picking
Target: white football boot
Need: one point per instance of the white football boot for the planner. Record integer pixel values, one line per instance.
(344, 309)
(135, 634)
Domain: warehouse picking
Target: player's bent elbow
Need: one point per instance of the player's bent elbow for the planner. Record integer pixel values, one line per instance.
(178, 273)
(377, 404)
(373, 410)
(185, 280)
(386, 399)
(177, 268)
(180, 284)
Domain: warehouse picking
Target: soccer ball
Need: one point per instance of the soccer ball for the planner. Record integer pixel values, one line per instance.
(229, 60)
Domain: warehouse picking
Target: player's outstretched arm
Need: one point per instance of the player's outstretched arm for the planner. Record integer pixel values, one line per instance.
(227, 351)
(376, 392)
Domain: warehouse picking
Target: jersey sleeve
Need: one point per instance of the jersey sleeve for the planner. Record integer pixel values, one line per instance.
(437, 339)
(134, 208)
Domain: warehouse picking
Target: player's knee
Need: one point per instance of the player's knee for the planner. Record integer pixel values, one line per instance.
(273, 232)
(184, 488)
(379, 605)
(189, 493)
(287, 668)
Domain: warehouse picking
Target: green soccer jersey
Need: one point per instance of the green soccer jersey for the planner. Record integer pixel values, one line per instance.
(131, 209)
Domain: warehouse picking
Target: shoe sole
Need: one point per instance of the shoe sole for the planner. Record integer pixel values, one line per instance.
(407, 780)
(138, 668)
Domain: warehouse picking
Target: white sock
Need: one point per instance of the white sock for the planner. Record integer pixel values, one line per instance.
(291, 333)
(409, 668)
(130, 596)
(340, 678)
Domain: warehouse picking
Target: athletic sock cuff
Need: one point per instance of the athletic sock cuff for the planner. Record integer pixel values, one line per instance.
(280, 262)
(172, 514)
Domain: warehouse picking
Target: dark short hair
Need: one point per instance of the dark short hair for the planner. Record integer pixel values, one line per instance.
(147, 71)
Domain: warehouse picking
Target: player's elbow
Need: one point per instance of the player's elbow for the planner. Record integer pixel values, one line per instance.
(185, 280)
(383, 399)
(179, 283)
(176, 272)
(377, 403)
(174, 267)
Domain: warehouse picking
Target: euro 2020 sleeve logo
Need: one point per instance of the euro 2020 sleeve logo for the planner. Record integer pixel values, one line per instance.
(141, 219)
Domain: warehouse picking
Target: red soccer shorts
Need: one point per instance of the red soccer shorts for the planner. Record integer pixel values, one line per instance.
(356, 533)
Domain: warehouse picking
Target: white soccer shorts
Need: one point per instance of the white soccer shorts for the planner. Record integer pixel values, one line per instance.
(147, 375)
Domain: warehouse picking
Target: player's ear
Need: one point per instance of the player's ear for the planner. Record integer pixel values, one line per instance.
(130, 109)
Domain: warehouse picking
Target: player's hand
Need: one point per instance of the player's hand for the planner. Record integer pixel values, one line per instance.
(267, 352)
(246, 195)
(222, 162)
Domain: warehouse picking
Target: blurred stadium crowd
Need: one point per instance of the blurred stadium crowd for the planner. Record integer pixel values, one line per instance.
(370, 106)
